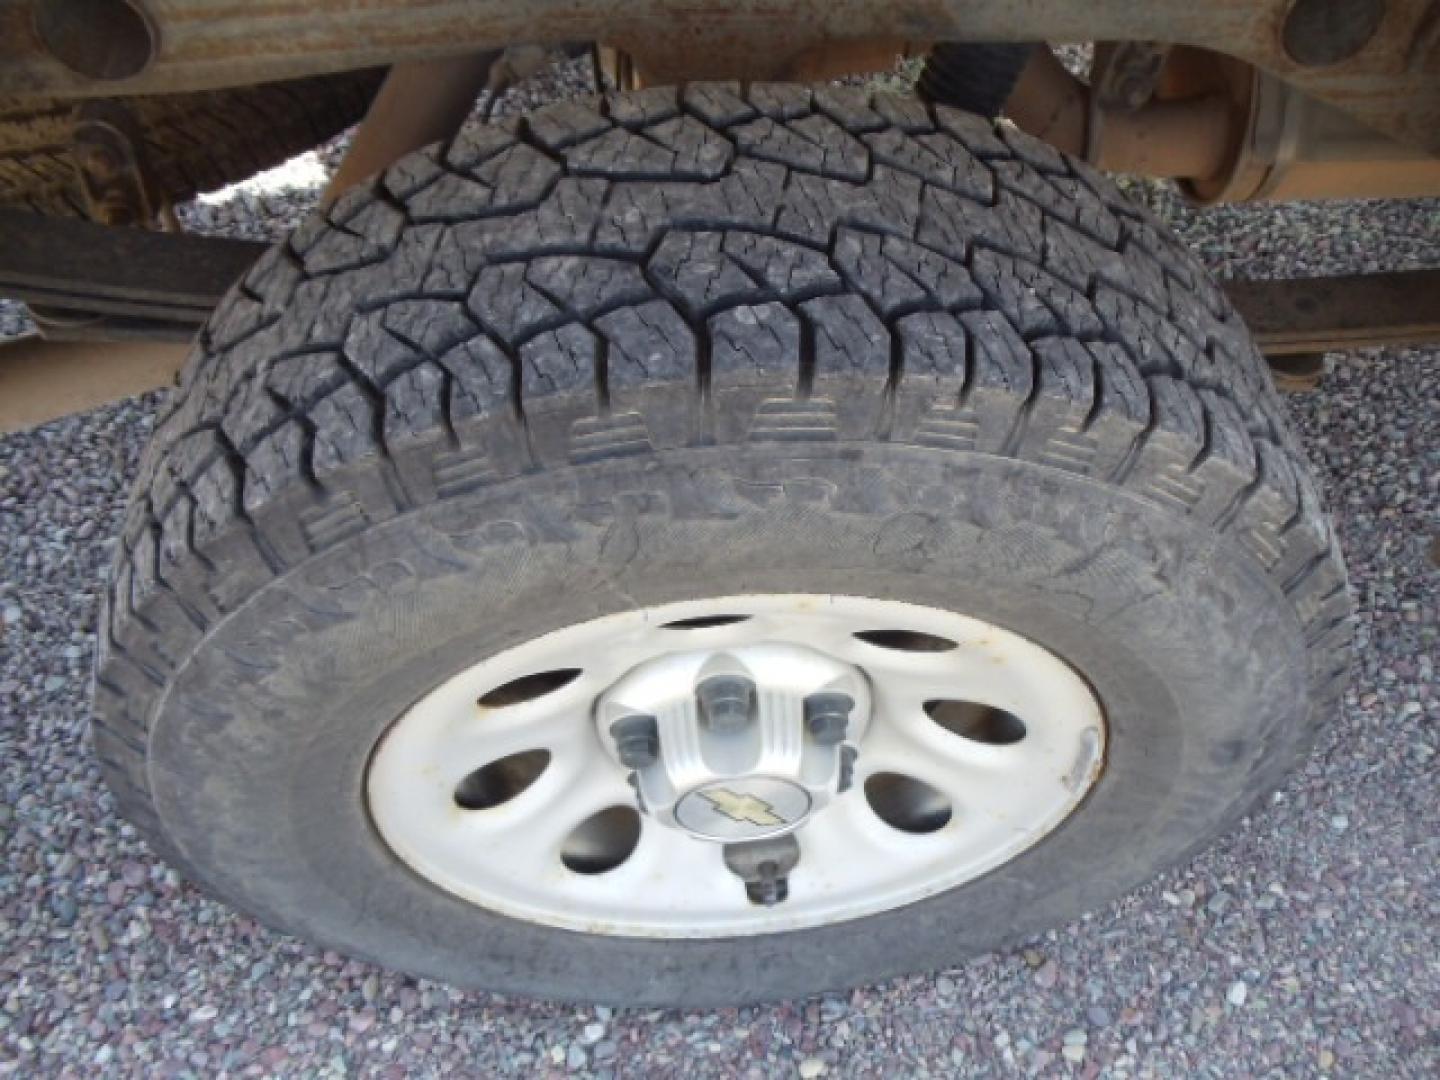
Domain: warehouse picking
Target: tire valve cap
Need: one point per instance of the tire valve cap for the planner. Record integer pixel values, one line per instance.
(637, 740)
(770, 888)
(726, 702)
(827, 716)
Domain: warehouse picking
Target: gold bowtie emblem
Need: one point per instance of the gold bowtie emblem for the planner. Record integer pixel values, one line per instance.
(746, 808)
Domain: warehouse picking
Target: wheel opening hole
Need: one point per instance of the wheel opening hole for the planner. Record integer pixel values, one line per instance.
(977, 722)
(907, 804)
(602, 841)
(906, 640)
(501, 780)
(529, 687)
(704, 622)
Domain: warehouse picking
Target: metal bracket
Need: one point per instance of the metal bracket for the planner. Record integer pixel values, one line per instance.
(108, 163)
(1123, 78)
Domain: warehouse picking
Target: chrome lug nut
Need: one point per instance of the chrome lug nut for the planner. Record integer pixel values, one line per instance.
(827, 716)
(726, 702)
(637, 740)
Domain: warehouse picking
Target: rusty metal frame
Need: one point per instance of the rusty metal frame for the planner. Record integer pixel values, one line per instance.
(165, 282)
(1387, 79)
(1305, 316)
(1228, 132)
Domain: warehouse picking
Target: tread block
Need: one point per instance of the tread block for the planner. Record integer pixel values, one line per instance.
(698, 152)
(934, 350)
(861, 258)
(936, 159)
(644, 107)
(476, 144)
(1055, 431)
(755, 345)
(848, 106)
(584, 286)
(360, 237)
(1041, 305)
(1162, 466)
(904, 111)
(1002, 376)
(790, 270)
(852, 362)
(622, 154)
(811, 206)
(693, 269)
(566, 124)
(653, 367)
(780, 101)
(516, 177)
(718, 104)
(559, 361)
(346, 429)
(506, 304)
(952, 225)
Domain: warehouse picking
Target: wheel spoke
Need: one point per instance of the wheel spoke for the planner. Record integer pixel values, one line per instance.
(970, 774)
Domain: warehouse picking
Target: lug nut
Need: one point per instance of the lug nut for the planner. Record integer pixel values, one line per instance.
(726, 702)
(637, 740)
(827, 716)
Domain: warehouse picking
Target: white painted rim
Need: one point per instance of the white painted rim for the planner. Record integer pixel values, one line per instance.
(507, 858)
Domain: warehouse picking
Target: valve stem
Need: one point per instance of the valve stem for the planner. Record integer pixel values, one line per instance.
(764, 866)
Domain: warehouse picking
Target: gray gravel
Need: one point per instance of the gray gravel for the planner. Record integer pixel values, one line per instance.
(1304, 944)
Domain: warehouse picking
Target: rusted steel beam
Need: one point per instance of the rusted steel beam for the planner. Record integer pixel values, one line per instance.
(79, 266)
(419, 103)
(1384, 73)
(1316, 315)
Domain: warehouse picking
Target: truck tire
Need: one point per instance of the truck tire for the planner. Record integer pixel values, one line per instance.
(868, 441)
(191, 143)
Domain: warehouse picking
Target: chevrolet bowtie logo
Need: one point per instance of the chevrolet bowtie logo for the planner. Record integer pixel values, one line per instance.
(747, 808)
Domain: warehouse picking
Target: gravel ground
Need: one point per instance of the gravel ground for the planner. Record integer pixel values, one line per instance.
(1304, 944)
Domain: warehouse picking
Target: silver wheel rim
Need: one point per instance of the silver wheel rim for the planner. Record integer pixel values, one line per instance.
(502, 787)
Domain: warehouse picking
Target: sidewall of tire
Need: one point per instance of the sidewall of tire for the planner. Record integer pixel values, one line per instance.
(259, 747)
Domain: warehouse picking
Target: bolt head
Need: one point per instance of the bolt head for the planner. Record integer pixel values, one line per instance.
(827, 716)
(726, 702)
(637, 740)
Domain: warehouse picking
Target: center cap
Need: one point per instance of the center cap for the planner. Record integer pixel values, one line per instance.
(743, 808)
(736, 744)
